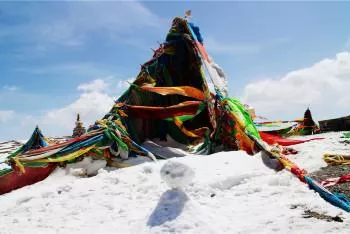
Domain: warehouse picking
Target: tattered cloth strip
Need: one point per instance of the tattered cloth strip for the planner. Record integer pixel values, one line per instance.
(156, 112)
(17, 179)
(336, 199)
(63, 144)
(336, 159)
(334, 181)
(273, 139)
(281, 121)
(287, 151)
(276, 128)
(25, 157)
(216, 74)
(69, 156)
(186, 91)
(36, 141)
(196, 133)
(238, 123)
(203, 52)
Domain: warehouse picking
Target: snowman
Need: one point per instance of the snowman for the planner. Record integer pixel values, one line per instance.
(176, 174)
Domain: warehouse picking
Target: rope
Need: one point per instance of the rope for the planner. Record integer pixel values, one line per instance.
(336, 159)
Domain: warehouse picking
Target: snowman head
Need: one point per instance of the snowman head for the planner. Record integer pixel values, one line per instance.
(176, 174)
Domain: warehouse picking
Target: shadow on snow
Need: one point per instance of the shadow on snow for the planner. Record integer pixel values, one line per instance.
(169, 207)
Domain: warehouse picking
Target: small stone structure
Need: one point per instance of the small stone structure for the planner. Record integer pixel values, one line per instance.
(339, 124)
(79, 128)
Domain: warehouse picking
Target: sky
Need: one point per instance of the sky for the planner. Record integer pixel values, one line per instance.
(61, 58)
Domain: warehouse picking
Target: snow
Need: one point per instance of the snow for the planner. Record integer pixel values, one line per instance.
(8, 147)
(176, 174)
(5, 149)
(86, 167)
(230, 193)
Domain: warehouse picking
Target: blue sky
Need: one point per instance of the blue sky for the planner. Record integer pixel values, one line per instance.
(49, 49)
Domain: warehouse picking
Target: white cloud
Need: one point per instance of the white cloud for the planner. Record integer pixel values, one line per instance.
(10, 88)
(72, 22)
(94, 101)
(123, 84)
(90, 105)
(324, 87)
(95, 85)
(6, 115)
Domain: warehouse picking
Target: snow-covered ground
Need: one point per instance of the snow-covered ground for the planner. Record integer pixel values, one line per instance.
(8, 147)
(230, 193)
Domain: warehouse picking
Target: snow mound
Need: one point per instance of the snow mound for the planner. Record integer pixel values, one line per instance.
(176, 174)
(86, 167)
